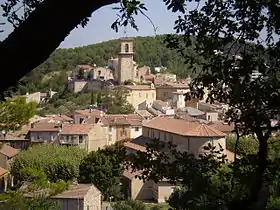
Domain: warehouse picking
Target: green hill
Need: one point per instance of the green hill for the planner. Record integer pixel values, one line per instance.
(149, 51)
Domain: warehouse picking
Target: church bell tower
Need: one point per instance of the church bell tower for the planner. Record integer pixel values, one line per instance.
(125, 63)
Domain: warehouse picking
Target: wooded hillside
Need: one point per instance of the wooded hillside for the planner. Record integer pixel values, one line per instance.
(150, 51)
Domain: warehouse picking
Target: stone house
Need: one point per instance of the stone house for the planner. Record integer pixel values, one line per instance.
(85, 136)
(146, 191)
(188, 136)
(7, 154)
(103, 74)
(89, 116)
(77, 197)
(4, 178)
(140, 93)
(164, 107)
(119, 127)
(166, 91)
(44, 132)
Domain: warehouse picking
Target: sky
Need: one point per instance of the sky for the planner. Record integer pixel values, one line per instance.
(98, 28)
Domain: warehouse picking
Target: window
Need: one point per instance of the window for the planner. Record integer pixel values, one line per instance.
(126, 48)
(208, 117)
(165, 137)
(188, 144)
(99, 72)
(67, 138)
(110, 128)
(136, 129)
(87, 207)
(139, 94)
(152, 95)
(81, 139)
(52, 138)
(147, 95)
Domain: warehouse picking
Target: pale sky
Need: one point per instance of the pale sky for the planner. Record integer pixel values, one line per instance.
(98, 28)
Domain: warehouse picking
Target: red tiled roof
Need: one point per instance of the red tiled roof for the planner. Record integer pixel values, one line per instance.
(136, 147)
(182, 127)
(89, 112)
(8, 151)
(139, 87)
(85, 66)
(173, 85)
(76, 191)
(76, 129)
(120, 119)
(223, 127)
(45, 127)
(3, 171)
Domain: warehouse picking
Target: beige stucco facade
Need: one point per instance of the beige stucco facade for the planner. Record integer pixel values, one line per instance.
(138, 96)
(166, 92)
(117, 133)
(190, 144)
(96, 138)
(148, 191)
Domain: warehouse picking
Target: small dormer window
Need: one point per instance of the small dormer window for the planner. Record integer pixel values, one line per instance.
(126, 48)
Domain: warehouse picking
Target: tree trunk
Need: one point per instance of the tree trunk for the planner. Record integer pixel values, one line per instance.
(36, 38)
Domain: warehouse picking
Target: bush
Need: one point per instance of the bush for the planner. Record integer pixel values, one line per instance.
(57, 162)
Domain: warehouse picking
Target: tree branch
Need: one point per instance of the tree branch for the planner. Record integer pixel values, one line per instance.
(41, 34)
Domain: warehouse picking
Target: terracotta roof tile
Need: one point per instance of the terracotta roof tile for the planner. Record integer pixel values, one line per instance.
(183, 128)
(3, 171)
(135, 147)
(45, 127)
(76, 129)
(120, 119)
(223, 127)
(85, 66)
(89, 112)
(9, 151)
(76, 191)
(139, 87)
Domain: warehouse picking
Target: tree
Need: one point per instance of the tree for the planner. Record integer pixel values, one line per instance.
(38, 27)
(16, 112)
(115, 102)
(93, 98)
(57, 162)
(104, 169)
(129, 205)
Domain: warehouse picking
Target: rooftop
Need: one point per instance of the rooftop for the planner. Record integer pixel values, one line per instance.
(122, 119)
(139, 87)
(76, 129)
(45, 127)
(89, 112)
(76, 191)
(222, 126)
(9, 151)
(85, 66)
(183, 128)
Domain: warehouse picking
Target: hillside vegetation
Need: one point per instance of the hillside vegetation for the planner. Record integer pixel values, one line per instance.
(150, 51)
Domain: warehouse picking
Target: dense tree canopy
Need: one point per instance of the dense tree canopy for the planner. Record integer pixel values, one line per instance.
(104, 169)
(16, 112)
(52, 74)
(57, 162)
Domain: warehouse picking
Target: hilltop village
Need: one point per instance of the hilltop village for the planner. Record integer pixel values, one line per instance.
(160, 112)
